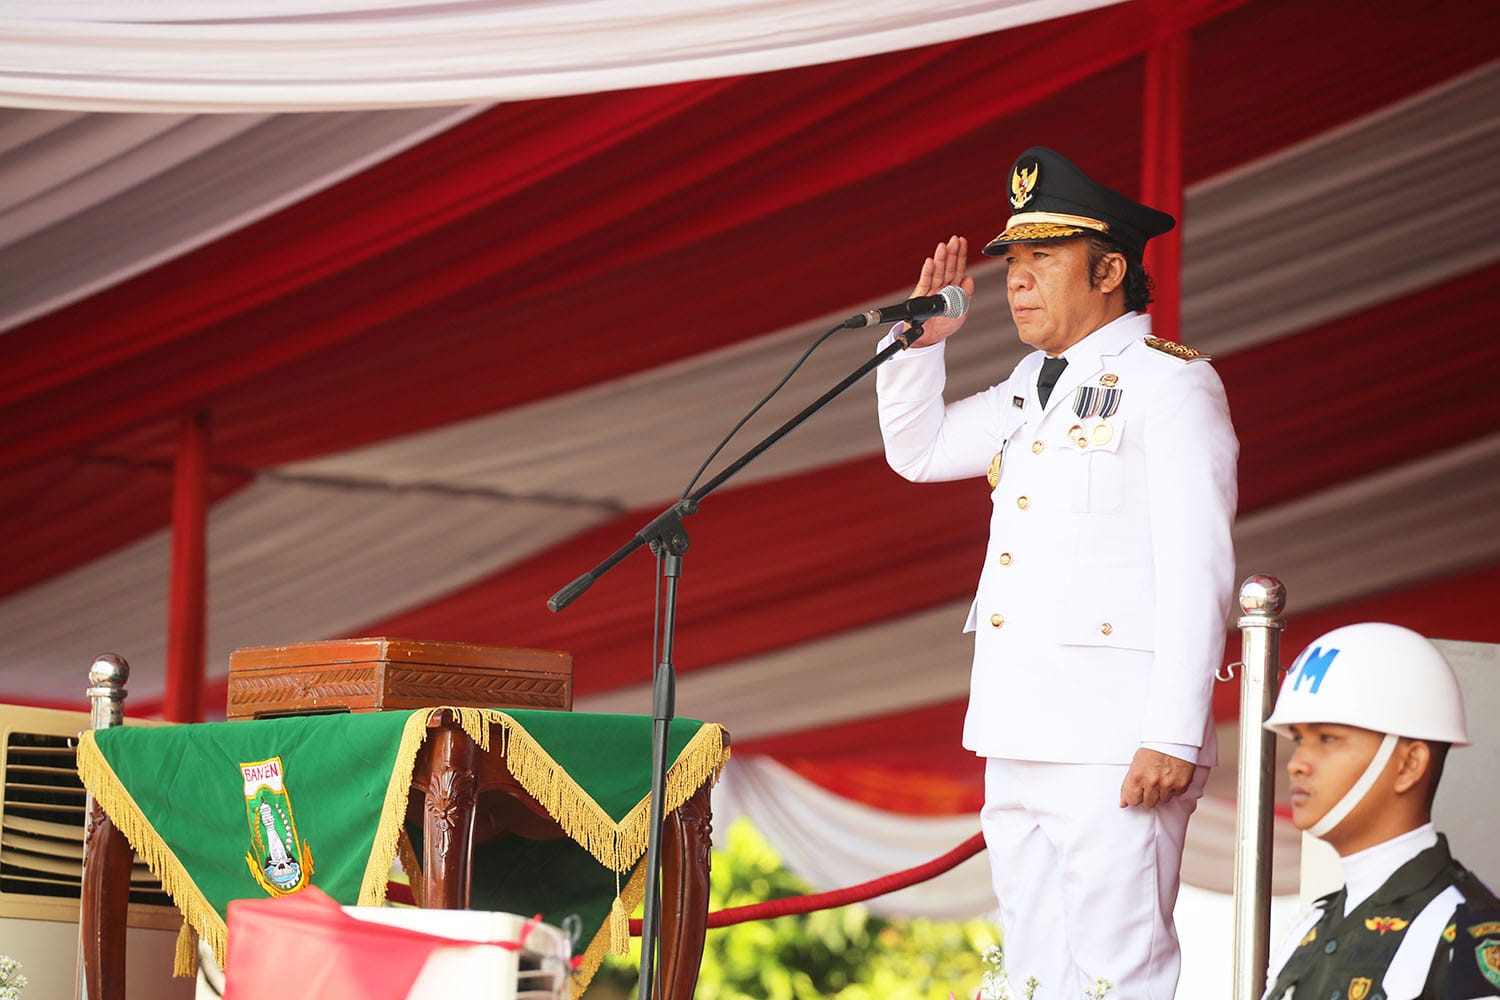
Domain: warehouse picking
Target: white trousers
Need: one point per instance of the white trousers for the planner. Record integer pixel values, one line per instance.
(1086, 888)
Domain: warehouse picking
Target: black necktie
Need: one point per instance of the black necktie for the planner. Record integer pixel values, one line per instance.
(1052, 369)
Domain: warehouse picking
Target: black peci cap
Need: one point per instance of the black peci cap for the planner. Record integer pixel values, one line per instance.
(1054, 200)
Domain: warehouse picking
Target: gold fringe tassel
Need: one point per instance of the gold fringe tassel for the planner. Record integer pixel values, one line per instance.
(185, 960)
(619, 928)
(102, 782)
(372, 889)
(411, 865)
(599, 946)
(617, 846)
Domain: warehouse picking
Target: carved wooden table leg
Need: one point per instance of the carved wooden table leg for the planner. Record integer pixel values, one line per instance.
(105, 903)
(684, 879)
(448, 823)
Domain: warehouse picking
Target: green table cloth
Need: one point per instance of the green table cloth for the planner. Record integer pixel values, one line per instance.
(246, 809)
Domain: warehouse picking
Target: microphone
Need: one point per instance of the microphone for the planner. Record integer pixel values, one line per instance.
(950, 303)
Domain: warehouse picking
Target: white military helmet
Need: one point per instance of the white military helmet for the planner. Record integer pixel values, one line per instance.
(1375, 676)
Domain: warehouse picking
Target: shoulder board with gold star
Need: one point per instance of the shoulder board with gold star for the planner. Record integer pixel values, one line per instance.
(1179, 351)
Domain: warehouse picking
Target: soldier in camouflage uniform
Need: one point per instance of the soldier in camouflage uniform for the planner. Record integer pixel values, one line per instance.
(1373, 709)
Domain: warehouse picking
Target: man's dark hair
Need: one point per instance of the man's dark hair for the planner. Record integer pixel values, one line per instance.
(1138, 285)
(1438, 756)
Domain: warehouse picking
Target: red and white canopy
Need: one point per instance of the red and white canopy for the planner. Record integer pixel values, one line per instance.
(454, 354)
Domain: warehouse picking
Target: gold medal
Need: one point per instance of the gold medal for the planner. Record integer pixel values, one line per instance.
(1109, 380)
(994, 474)
(1102, 433)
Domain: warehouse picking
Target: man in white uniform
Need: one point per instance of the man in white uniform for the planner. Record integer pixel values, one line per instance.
(1102, 602)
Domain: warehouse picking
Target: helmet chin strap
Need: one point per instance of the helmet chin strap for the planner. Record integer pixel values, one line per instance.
(1352, 797)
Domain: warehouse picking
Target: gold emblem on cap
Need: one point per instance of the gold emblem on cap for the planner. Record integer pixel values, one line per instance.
(994, 474)
(1109, 380)
(1023, 184)
(1102, 433)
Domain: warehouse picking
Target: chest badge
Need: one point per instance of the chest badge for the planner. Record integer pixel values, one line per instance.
(1487, 954)
(1382, 924)
(994, 474)
(1359, 987)
(1101, 401)
(1109, 380)
(1096, 401)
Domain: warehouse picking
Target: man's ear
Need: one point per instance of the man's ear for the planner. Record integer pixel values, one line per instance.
(1413, 763)
(1112, 272)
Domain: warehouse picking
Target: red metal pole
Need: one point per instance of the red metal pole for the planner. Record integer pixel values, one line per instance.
(187, 605)
(1161, 175)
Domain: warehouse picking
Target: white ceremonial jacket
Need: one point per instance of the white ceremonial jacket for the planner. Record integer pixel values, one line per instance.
(1103, 601)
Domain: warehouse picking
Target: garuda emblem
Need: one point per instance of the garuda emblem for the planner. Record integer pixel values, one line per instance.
(280, 861)
(1383, 924)
(1023, 184)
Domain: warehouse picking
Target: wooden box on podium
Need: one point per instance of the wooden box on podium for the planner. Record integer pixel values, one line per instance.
(378, 674)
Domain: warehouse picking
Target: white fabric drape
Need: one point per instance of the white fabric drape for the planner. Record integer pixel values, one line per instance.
(834, 843)
(91, 200)
(247, 55)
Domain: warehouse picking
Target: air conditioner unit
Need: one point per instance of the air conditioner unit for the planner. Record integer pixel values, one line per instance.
(42, 823)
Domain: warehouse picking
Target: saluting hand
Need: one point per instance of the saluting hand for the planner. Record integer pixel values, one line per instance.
(947, 266)
(1154, 778)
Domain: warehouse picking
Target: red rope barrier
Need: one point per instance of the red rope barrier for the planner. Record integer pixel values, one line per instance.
(842, 897)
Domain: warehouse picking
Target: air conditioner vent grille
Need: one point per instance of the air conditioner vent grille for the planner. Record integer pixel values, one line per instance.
(42, 823)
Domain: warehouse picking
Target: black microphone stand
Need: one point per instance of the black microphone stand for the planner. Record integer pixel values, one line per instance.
(667, 537)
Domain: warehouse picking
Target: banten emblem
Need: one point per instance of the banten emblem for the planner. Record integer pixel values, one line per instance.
(1023, 184)
(280, 861)
(1359, 987)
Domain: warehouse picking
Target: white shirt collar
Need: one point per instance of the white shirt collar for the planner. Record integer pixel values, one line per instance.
(1112, 337)
(1367, 870)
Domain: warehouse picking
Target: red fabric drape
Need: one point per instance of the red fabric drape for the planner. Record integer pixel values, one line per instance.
(1161, 175)
(395, 300)
(514, 257)
(481, 229)
(63, 512)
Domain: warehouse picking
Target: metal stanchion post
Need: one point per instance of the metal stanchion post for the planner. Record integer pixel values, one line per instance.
(106, 694)
(1262, 598)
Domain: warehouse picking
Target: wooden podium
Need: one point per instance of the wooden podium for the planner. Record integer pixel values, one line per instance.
(459, 794)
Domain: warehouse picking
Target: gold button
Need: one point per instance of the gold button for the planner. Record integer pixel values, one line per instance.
(1022, 502)
(1005, 559)
(1036, 447)
(997, 620)
(1106, 628)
